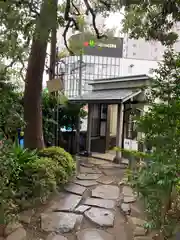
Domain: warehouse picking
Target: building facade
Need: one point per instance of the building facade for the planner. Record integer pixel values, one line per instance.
(101, 61)
(147, 50)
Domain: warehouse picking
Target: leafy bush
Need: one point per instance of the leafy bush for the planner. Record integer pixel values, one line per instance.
(9, 172)
(61, 156)
(40, 178)
(25, 176)
(157, 181)
(11, 114)
(24, 155)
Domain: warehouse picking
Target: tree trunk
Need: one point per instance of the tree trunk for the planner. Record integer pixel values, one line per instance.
(33, 89)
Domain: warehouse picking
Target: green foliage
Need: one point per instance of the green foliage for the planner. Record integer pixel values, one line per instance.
(26, 177)
(61, 156)
(11, 110)
(156, 180)
(9, 171)
(24, 155)
(38, 179)
(48, 104)
(152, 22)
(44, 175)
(67, 114)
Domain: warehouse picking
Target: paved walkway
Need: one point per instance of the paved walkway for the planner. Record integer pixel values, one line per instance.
(96, 205)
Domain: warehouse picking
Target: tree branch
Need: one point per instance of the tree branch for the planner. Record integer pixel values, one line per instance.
(76, 8)
(93, 14)
(106, 4)
(65, 35)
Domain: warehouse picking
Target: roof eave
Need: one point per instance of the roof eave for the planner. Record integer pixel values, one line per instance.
(120, 79)
(106, 101)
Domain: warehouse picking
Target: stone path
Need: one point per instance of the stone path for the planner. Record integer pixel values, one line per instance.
(96, 205)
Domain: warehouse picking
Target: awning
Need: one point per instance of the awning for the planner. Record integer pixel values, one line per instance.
(106, 96)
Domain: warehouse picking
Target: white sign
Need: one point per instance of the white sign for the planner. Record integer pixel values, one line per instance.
(106, 45)
(130, 144)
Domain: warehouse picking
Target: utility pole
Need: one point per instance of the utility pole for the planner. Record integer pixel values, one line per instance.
(80, 94)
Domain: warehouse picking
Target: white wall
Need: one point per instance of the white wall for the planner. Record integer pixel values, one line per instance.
(149, 50)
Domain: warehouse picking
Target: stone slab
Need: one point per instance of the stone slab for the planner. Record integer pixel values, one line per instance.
(19, 234)
(54, 236)
(129, 199)
(86, 183)
(123, 181)
(125, 207)
(26, 216)
(11, 227)
(105, 180)
(89, 170)
(59, 222)
(94, 234)
(102, 203)
(139, 231)
(143, 238)
(88, 165)
(127, 191)
(106, 192)
(136, 221)
(110, 165)
(125, 161)
(68, 203)
(74, 188)
(81, 209)
(113, 172)
(100, 216)
(84, 176)
(97, 161)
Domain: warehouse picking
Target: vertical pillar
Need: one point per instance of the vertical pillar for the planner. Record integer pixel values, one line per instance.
(89, 129)
(108, 127)
(119, 135)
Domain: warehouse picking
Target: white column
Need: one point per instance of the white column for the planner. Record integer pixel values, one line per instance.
(119, 135)
(89, 128)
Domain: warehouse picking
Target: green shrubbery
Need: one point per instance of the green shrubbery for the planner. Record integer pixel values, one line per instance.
(61, 156)
(157, 176)
(27, 175)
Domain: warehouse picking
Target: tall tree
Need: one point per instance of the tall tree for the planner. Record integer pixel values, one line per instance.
(33, 86)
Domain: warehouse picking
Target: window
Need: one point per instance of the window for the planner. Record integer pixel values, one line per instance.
(134, 45)
(134, 53)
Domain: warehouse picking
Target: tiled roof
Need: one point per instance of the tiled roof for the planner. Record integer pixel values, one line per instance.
(108, 96)
(121, 79)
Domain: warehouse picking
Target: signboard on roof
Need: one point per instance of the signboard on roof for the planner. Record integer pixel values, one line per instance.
(105, 47)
